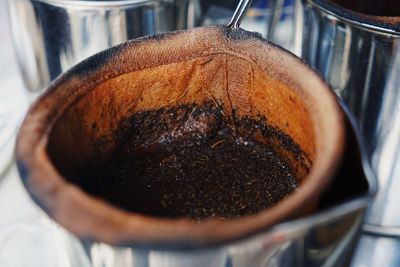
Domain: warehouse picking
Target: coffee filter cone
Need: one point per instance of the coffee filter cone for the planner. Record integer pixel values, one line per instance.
(73, 127)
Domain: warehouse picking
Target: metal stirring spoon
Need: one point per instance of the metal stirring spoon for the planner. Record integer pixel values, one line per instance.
(239, 14)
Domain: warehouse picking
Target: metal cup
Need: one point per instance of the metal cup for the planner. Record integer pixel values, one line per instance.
(52, 35)
(359, 56)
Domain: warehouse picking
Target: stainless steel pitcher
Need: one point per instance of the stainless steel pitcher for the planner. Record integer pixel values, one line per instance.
(52, 35)
(359, 56)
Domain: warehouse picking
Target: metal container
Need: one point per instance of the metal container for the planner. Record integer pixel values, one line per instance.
(358, 53)
(324, 238)
(359, 56)
(52, 35)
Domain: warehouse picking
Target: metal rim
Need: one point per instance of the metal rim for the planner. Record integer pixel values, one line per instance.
(100, 4)
(382, 231)
(376, 24)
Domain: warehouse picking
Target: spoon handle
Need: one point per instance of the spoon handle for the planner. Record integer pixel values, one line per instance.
(239, 14)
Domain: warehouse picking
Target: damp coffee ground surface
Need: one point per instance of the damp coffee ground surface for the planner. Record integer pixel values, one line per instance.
(192, 162)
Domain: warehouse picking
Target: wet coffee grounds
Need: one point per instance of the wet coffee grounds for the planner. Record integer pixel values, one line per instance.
(192, 161)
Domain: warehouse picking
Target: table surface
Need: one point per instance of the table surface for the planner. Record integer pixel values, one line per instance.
(25, 229)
